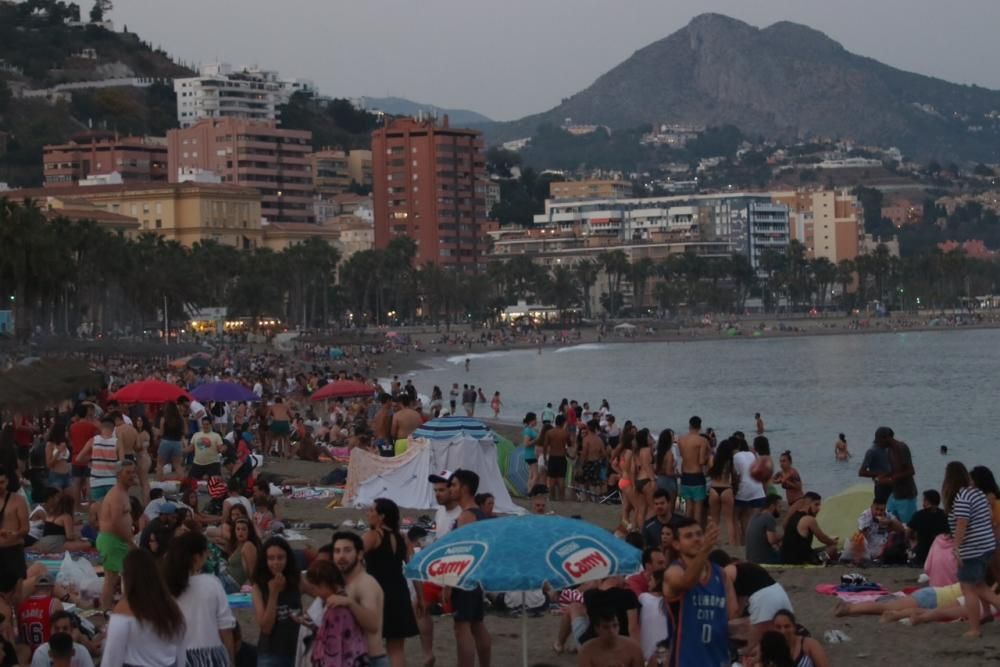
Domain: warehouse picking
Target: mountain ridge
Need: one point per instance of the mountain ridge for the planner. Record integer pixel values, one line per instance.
(784, 81)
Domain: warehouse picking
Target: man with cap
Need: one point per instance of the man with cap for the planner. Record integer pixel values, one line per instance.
(167, 520)
(448, 509)
(34, 614)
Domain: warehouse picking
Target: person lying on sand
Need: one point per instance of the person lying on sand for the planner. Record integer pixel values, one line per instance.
(945, 603)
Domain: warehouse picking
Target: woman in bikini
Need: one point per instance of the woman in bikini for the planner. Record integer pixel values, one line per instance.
(644, 485)
(622, 463)
(664, 463)
(722, 481)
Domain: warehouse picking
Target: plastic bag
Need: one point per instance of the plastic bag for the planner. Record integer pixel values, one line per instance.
(79, 575)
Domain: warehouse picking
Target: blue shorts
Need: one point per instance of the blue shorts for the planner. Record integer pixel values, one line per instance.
(925, 598)
(169, 451)
(60, 482)
(98, 492)
(973, 570)
(901, 509)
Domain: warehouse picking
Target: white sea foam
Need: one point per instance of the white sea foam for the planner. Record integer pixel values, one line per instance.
(585, 347)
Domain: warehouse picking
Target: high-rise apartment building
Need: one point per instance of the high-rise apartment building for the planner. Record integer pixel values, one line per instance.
(424, 187)
(590, 188)
(359, 166)
(103, 153)
(827, 222)
(331, 175)
(252, 154)
(222, 91)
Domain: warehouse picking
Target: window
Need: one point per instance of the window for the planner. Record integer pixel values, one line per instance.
(159, 223)
(159, 208)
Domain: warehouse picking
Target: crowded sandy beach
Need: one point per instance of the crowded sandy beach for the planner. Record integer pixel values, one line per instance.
(237, 505)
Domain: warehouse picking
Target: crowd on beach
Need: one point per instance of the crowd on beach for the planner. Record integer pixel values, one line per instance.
(171, 501)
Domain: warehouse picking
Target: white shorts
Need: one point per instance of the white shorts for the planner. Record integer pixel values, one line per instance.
(767, 602)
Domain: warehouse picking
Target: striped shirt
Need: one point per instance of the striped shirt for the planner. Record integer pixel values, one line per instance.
(971, 504)
(103, 461)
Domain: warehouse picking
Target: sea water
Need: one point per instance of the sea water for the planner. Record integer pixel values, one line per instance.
(933, 388)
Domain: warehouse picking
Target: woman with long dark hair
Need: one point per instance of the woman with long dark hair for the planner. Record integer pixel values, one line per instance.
(146, 627)
(529, 440)
(277, 602)
(385, 556)
(804, 651)
(722, 483)
(171, 436)
(664, 465)
(970, 519)
(244, 546)
(208, 634)
(643, 476)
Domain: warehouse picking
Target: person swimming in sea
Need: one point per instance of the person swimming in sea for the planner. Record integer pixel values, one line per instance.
(840, 448)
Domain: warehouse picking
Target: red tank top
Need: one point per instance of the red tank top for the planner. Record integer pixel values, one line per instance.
(33, 621)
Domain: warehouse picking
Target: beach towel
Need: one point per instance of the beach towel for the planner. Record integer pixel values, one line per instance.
(853, 596)
(239, 601)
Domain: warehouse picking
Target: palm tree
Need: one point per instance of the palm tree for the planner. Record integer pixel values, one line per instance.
(586, 272)
(824, 274)
(615, 264)
(563, 291)
(639, 273)
(845, 277)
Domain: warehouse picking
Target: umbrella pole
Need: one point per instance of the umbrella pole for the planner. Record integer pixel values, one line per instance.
(524, 632)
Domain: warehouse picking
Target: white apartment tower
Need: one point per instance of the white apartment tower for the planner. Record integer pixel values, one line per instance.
(221, 91)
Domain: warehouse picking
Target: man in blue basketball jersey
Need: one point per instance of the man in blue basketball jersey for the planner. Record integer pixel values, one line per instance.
(700, 600)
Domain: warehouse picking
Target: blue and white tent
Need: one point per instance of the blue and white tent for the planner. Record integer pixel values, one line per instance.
(446, 428)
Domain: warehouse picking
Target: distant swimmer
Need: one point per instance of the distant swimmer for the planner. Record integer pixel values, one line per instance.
(466, 364)
(758, 424)
(840, 448)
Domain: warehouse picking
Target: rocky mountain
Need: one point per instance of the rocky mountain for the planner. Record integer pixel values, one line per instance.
(785, 81)
(398, 106)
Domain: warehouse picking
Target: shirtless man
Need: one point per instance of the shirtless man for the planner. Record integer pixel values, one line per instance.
(382, 426)
(694, 457)
(128, 438)
(115, 539)
(554, 448)
(609, 648)
(405, 421)
(592, 456)
(758, 424)
(13, 530)
(363, 596)
(281, 425)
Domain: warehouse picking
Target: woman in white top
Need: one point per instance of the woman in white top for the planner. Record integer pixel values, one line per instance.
(208, 637)
(653, 626)
(146, 628)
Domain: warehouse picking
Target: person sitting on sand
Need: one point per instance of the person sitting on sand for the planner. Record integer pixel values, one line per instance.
(925, 525)
(800, 530)
(805, 651)
(879, 538)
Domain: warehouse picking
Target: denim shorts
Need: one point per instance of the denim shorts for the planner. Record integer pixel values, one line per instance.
(973, 570)
(169, 451)
(925, 598)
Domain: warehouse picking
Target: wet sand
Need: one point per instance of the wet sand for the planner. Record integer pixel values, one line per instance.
(871, 642)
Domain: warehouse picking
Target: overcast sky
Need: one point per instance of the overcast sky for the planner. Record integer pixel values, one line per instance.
(516, 57)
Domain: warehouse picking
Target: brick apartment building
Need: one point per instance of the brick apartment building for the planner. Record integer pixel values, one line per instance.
(425, 177)
(137, 159)
(252, 154)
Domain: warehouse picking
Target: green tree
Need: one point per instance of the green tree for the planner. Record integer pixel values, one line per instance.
(638, 274)
(586, 272)
(615, 265)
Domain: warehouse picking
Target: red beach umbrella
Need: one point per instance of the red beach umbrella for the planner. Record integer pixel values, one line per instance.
(149, 391)
(343, 389)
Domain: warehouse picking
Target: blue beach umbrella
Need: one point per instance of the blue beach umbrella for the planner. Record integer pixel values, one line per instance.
(223, 391)
(446, 428)
(518, 554)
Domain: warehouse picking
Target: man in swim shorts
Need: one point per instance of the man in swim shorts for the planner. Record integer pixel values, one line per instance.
(281, 427)
(694, 458)
(115, 538)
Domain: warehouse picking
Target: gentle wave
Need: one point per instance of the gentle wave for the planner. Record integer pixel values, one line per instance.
(460, 358)
(584, 347)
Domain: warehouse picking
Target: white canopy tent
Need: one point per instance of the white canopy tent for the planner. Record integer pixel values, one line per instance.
(403, 479)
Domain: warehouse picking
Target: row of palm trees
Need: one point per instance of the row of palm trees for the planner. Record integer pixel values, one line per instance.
(63, 276)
